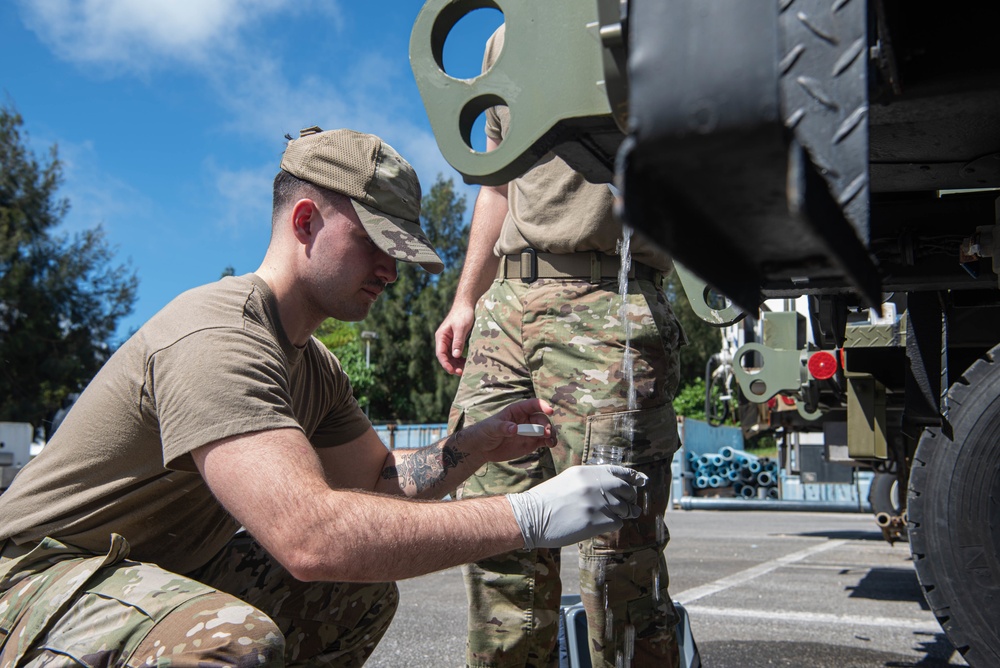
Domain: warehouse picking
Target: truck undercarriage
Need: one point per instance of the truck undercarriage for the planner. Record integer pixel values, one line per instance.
(843, 150)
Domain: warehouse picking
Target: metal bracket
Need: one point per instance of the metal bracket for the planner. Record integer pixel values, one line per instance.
(989, 244)
(866, 417)
(554, 46)
(779, 371)
(705, 300)
(807, 415)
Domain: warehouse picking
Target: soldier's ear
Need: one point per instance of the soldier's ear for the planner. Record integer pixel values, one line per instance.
(302, 219)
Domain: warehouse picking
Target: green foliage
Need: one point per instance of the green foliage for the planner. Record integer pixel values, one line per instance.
(60, 297)
(410, 385)
(762, 445)
(690, 400)
(335, 334)
(344, 339)
(352, 358)
(704, 340)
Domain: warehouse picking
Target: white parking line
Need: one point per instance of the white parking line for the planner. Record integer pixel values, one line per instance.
(814, 618)
(742, 577)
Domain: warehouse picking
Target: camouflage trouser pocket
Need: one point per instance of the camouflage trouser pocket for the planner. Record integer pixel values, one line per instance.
(648, 438)
(645, 435)
(623, 574)
(75, 609)
(37, 587)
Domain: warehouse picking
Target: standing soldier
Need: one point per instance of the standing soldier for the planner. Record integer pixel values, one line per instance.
(543, 266)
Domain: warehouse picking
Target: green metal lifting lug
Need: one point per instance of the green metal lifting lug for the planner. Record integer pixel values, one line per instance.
(552, 74)
(706, 302)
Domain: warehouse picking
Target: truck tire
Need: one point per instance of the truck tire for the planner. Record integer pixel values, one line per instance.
(883, 497)
(954, 514)
(883, 494)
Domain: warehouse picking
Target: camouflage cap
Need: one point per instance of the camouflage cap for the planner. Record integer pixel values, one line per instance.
(382, 186)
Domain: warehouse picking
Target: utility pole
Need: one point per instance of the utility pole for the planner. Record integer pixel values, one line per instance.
(368, 336)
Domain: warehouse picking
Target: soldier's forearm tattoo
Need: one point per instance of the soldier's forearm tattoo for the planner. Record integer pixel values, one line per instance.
(428, 467)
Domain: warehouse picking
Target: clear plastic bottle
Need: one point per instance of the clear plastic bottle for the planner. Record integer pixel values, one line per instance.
(605, 453)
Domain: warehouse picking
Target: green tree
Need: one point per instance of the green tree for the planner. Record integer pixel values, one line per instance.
(690, 400)
(344, 340)
(61, 298)
(410, 385)
(704, 340)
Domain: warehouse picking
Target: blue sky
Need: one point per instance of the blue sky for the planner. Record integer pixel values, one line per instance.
(170, 115)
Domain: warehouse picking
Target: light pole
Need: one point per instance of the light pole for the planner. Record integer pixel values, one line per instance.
(368, 336)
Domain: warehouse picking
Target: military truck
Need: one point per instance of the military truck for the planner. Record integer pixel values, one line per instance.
(847, 151)
(771, 378)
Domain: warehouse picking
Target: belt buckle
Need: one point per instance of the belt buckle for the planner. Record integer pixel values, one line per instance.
(529, 261)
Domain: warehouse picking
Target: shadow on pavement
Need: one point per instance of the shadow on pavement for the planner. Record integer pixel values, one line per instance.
(890, 584)
(752, 654)
(845, 535)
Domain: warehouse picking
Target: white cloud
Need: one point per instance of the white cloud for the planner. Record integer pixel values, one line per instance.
(140, 35)
(263, 103)
(238, 48)
(268, 79)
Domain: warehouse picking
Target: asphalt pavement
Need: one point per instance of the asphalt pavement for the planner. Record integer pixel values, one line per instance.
(817, 590)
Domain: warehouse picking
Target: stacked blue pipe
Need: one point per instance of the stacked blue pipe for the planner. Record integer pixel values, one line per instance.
(750, 476)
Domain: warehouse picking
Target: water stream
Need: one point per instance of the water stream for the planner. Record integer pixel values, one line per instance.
(625, 425)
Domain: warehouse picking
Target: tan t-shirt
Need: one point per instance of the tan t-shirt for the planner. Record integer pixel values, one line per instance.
(214, 363)
(552, 207)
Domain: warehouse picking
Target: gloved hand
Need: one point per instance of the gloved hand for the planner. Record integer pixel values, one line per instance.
(579, 503)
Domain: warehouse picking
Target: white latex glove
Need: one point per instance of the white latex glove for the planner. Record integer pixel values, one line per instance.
(579, 503)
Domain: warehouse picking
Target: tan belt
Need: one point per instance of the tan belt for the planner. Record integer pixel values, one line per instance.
(530, 265)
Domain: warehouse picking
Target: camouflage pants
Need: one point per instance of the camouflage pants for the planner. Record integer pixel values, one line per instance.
(59, 607)
(564, 341)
